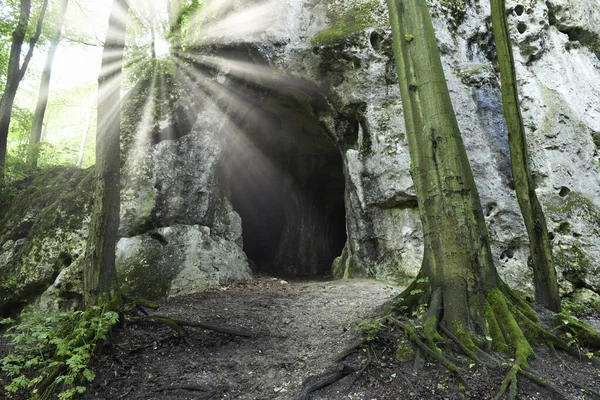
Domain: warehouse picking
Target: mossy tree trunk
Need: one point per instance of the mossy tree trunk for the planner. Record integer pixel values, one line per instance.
(42, 100)
(460, 268)
(544, 273)
(16, 70)
(100, 275)
(466, 299)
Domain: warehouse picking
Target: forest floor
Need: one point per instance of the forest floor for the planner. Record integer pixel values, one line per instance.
(300, 327)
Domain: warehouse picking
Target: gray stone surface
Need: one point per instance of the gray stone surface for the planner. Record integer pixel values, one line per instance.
(556, 47)
(178, 259)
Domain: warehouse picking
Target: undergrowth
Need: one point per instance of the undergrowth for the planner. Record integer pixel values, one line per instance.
(50, 353)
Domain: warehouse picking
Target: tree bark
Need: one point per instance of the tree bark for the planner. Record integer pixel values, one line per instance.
(540, 247)
(16, 70)
(42, 100)
(100, 275)
(460, 267)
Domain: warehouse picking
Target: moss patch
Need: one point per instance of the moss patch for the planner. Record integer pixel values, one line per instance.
(405, 351)
(354, 20)
(45, 221)
(574, 203)
(454, 11)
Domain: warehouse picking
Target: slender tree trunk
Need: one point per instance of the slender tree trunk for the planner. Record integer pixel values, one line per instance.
(540, 247)
(151, 21)
(42, 100)
(100, 275)
(16, 70)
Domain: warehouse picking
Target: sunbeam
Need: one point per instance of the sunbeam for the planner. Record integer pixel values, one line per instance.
(141, 140)
(230, 25)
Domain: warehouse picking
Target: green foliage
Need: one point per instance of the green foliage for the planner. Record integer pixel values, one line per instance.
(370, 328)
(581, 301)
(50, 352)
(140, 63)
(575, 331)
(181, 27)
(405, 351)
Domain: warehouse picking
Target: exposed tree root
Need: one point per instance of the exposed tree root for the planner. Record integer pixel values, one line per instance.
(588, 391)
(434, 353)
(178, 324)
(350, 350)
(330, 376)
(510, 383)
(207, 390)
(138, 304)
(509, 325)
(362, 369)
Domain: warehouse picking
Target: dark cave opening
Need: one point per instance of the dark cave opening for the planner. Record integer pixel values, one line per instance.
(287, 184)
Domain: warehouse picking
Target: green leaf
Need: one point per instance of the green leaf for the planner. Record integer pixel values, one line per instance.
(89, 375)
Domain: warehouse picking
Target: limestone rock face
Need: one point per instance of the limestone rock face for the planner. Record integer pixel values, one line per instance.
(174, 181)
(42, 234)
(349, 57)
(559, 77)
(181, 233)
(178, 259)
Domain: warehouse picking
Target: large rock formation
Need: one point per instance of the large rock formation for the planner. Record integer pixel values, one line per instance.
(344, 49)
(292, 148)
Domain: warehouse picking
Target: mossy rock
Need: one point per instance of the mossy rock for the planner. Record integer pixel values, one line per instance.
(355, 19)
(42, 233)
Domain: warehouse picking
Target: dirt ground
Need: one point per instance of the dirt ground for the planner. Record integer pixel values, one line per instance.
(300, 327)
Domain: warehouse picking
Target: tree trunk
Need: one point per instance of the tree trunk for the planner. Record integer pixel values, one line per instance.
(540, 247)
(100, 275)
(16, 70)
(460, 267)
(42, 100)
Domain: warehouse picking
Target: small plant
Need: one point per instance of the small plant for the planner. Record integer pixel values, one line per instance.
(370, 328)
(51, 352)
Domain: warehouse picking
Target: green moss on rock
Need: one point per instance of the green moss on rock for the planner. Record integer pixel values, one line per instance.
(42, 232)
(454, 11)
(572, 258)
(354, 20)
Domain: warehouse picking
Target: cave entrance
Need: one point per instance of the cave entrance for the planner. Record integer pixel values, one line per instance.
(287, 184)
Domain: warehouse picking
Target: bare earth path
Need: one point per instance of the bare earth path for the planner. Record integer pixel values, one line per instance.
(300, 327)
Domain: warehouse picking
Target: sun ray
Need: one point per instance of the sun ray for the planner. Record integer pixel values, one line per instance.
(236, 25)
(241, 148)
(144, 126)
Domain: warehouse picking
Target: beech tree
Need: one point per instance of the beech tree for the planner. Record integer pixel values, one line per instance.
(466, 300)
(544, 273)
(42, 100)
(16, 69)
(100, 274)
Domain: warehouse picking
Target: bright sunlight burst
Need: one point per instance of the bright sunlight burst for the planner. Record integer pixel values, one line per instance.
(162, 48)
